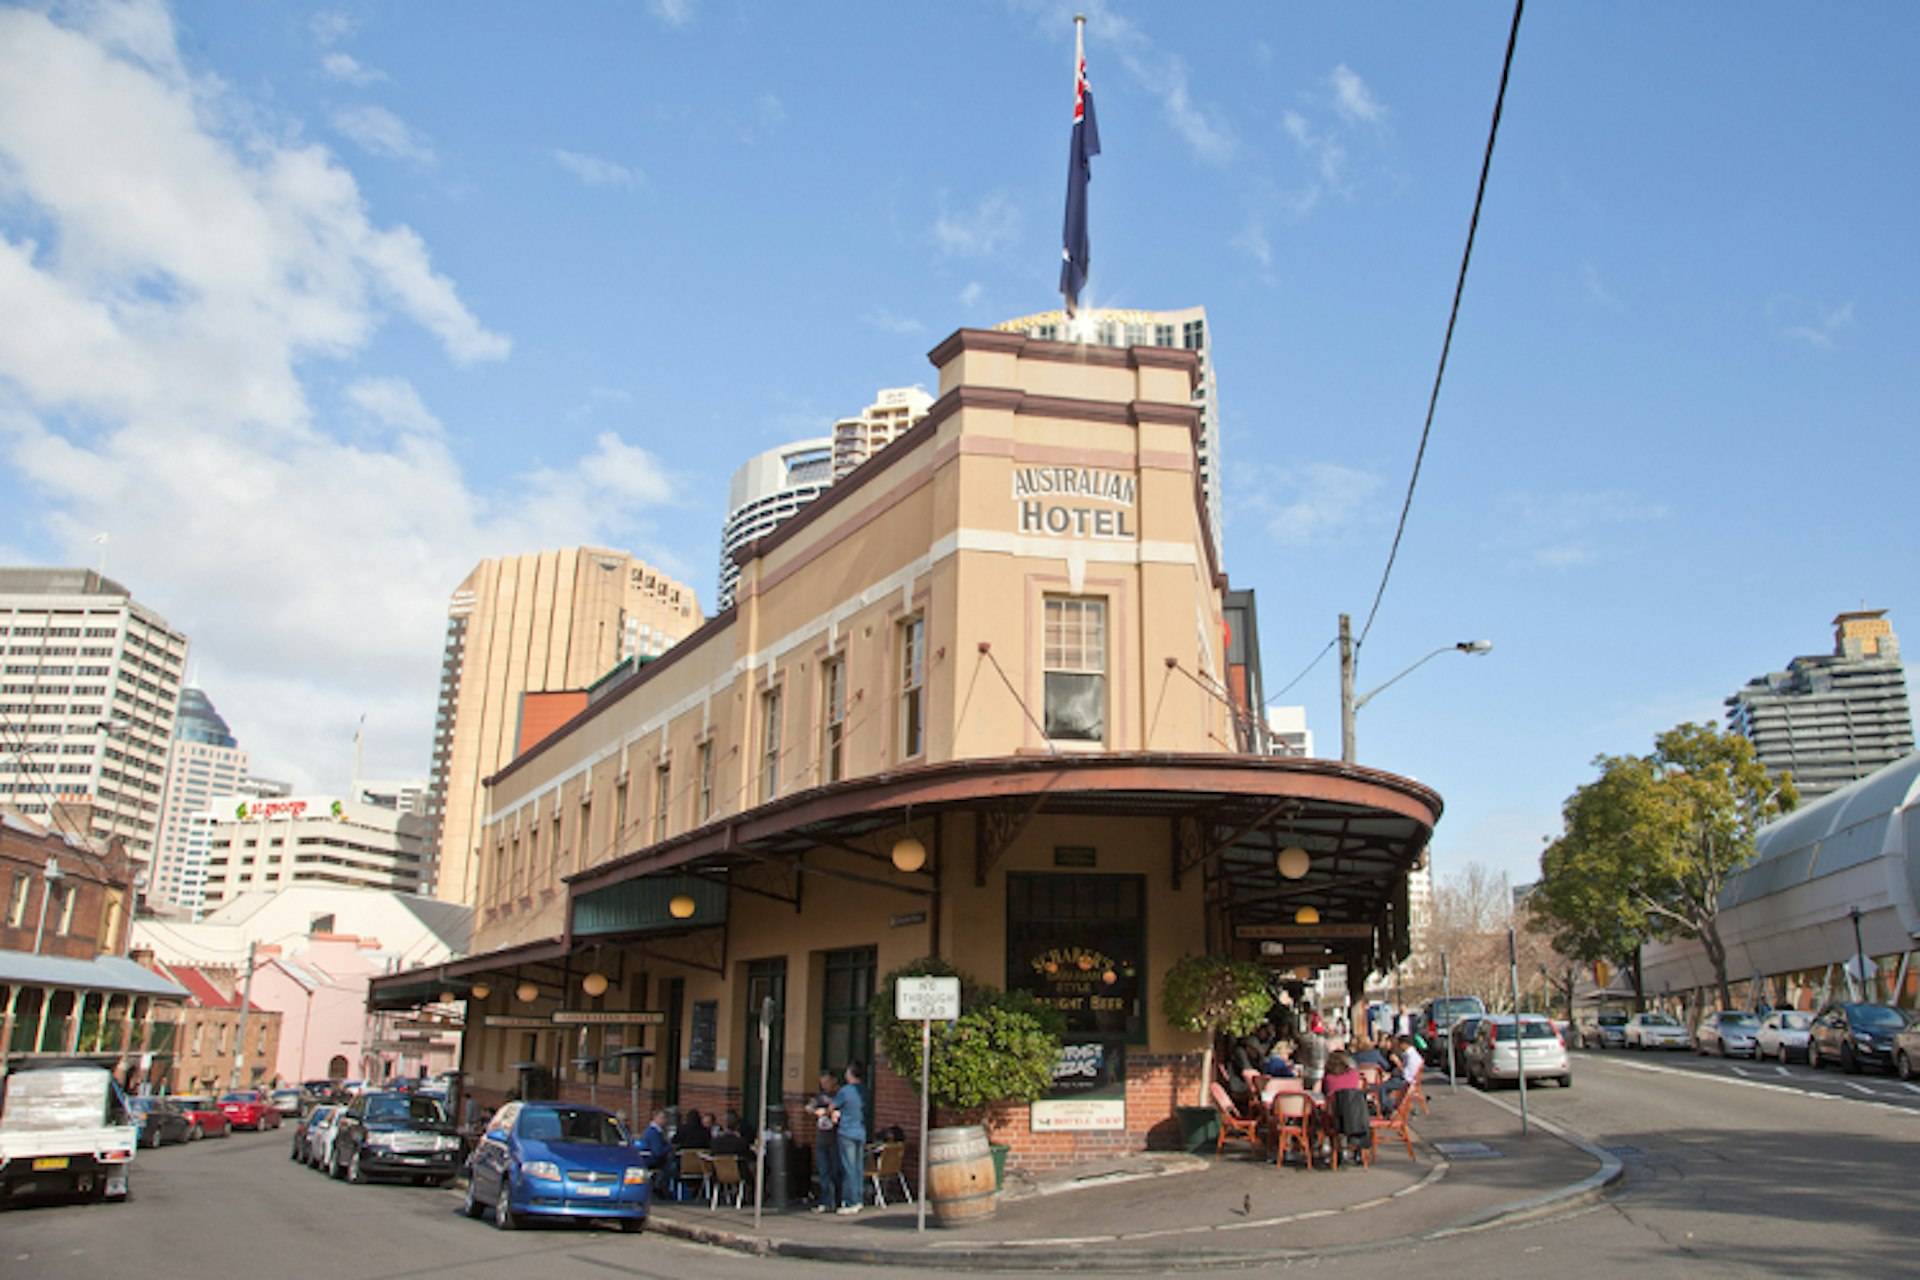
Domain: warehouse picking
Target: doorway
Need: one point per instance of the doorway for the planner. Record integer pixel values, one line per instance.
(766, 979)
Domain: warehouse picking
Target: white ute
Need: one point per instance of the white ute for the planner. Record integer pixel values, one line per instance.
(64, 1131)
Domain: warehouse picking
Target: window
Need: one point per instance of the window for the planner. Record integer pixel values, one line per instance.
(913, 680)
(1075, 661)
(17, 901)
(619, 812)
(833, 689)
(68, 894)
(770, 744)
(706, 781)
(662, 798)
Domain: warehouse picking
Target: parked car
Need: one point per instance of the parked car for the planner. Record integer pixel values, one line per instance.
(250, 1109)
(552, 1159)
(1604, 1031)
(204, 1116)
(1854, 1035)
(1783, 1034)
(321, 1125)
(64, 1131)
(1436, 1018)
(288, 1102)
(1459, 1035)
(159, 1120)
(399, 1134)
(322, 1091)
(1727, 1033)
(1906, 1052)
(1654, 1031)
(1501, 1044)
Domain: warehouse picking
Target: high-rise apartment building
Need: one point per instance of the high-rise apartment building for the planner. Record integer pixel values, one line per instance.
(89, 684)
(1187, 330)
(768, 489)
(533, 623)
(205, 761)
(1831, 719)
(257, 844)
(878, 425)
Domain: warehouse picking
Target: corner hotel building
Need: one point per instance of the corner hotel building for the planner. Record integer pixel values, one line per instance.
(1004, 636)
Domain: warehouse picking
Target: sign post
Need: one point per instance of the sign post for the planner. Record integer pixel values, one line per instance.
(923, 1000)
(760, 1157)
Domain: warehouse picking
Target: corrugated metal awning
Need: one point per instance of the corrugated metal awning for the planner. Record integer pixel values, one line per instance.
(115, 974)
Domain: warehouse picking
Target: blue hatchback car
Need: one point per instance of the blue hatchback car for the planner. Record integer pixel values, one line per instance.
(553, 1159)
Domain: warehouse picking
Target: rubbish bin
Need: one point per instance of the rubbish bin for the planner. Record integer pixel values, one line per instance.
(779, 1148)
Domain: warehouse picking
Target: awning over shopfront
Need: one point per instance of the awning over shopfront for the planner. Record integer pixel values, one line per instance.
(113, 975)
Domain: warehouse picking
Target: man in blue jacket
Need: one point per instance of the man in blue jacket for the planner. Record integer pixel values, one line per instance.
(852, 1109)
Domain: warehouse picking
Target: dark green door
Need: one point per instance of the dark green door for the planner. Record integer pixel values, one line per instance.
(766, 979)
(846, 1029)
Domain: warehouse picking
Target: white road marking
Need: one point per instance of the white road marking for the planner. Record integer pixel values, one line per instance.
(1915, 1088)
(1737, 1070)
(1656, 1069)
(1783, 1071)
(1854, 1084)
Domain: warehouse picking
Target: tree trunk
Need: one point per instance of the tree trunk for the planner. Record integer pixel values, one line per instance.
(1717, 953)
(1639, 983)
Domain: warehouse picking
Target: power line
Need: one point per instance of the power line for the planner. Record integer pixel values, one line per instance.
(1303, 674)
(1459, 287)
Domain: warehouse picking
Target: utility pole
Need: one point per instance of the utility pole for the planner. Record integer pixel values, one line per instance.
(1347, 708)
(246, 998)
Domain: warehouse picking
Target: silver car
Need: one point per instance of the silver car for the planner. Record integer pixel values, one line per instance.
(1729, 1032)
(1783, 1034)
(1655, 1031)
(1499, 1048)
(321, 1126)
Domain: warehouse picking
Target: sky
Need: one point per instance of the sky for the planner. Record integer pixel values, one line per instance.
(310, 308)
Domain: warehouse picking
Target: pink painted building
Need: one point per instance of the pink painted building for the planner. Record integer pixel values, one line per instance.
(326, 1030)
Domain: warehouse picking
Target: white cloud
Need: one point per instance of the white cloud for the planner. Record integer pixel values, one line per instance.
(1164, 76)
(1571, 530)
(971, 295)
(1252, 241)
(1352, 99)
(983, 231)
(888, 321)
(156, 356)
(675, 13)
(1816, 324)
(345, 67)
(596, 172)
(1313, 502)
(383, 133)
(331, 26)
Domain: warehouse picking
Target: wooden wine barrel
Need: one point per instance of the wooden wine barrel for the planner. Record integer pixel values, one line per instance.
(960, 1184)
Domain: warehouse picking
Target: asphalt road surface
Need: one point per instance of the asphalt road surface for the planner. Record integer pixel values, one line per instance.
(1732, 1169)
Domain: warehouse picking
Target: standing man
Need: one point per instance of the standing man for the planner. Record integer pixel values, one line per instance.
(826, 1144)
(852, 1110)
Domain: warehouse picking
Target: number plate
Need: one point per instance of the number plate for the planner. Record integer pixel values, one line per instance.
(593, 1191)
(49, 1162)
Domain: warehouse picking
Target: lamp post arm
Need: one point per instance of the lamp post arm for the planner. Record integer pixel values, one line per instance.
(1367, 697)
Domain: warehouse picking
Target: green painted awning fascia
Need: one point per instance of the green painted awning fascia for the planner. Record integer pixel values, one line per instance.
(643, 906)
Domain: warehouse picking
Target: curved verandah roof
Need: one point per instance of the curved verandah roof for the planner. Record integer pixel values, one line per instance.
(1227, 818)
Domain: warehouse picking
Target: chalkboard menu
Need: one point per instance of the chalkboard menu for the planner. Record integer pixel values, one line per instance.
(702, 1050)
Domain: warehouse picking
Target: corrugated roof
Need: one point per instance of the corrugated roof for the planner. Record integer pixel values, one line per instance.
(102, 973)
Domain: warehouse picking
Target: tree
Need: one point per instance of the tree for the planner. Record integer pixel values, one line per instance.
(1217, 995)
(1471, 908)
(1650, 844)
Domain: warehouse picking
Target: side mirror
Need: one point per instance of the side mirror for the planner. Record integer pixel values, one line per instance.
(496, 1135)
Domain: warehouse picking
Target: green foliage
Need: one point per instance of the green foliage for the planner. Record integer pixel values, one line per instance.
(1002, 1048)
(1649, 845)
(1216, 994)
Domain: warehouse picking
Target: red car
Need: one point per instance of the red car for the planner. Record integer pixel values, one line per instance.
(204, 1119)
(250, 1109)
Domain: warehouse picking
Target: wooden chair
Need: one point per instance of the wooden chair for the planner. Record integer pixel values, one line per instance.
(1356, 1137)
(887, 1162)
(1235, 1125)
(1395, 1123)
(724, 1178)
(1419, 1092)
(1370, 1078)
(691, 1166)
(1290, 1113)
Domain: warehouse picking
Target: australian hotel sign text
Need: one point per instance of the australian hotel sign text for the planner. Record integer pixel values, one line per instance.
(1075, 502)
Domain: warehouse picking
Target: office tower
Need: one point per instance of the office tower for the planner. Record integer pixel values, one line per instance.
(533, 623)
(204, 761)
(267, 844)
(766, 490)
(1830, 719)
(1187, 329)
(893, 411)
(88, 690)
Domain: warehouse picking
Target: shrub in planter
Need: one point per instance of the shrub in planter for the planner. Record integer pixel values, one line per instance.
(1002, 1048)
(1216, 995)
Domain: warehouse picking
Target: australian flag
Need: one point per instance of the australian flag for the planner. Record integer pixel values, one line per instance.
(1075, 256)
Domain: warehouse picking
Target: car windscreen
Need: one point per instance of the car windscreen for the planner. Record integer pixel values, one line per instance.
(1533, 1031)
(1451, 1007)
(1878, 1016)
(571, 1125)
(193, 1104)
(1796, 1021)
(1738, 1020)
(1659, 1020)
(236, 1097)
(1612, 1019)
(424, 1112)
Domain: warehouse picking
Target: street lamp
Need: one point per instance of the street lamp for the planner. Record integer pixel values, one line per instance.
(53, 875)
(1350, 705)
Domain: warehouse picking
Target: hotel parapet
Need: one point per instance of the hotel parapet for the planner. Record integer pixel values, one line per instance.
(981, 700)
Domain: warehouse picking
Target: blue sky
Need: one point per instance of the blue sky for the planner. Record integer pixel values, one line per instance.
(310, 308)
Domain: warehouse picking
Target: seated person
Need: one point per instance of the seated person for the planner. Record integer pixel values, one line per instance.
(1277, 1064)
(1369, 1055)
(1407, 1066)
(693, 1134)
(727, 1139)
(653, 1142)
(1341, 1075)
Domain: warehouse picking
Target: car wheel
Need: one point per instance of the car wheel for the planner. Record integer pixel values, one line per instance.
(195, 1134)
(503, 1208)
(1813, 1055)
(336, 1167)
(1902, 1065)
(355, 1174)
(470, 1206)
(293, 1152)
(1849, 1061)
(632, 1226)
(1566, 1081)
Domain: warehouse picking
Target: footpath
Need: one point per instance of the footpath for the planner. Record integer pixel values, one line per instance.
(1165, 1211)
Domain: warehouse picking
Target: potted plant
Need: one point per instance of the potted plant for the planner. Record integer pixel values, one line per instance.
(1002, 1048)
(1214, 995)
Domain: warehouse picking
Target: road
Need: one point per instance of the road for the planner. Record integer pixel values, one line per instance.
(1732, 1169)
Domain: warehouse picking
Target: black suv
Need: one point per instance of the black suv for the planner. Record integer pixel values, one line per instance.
(397, 1134)
(1435, 1024)
(1854, 1035)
